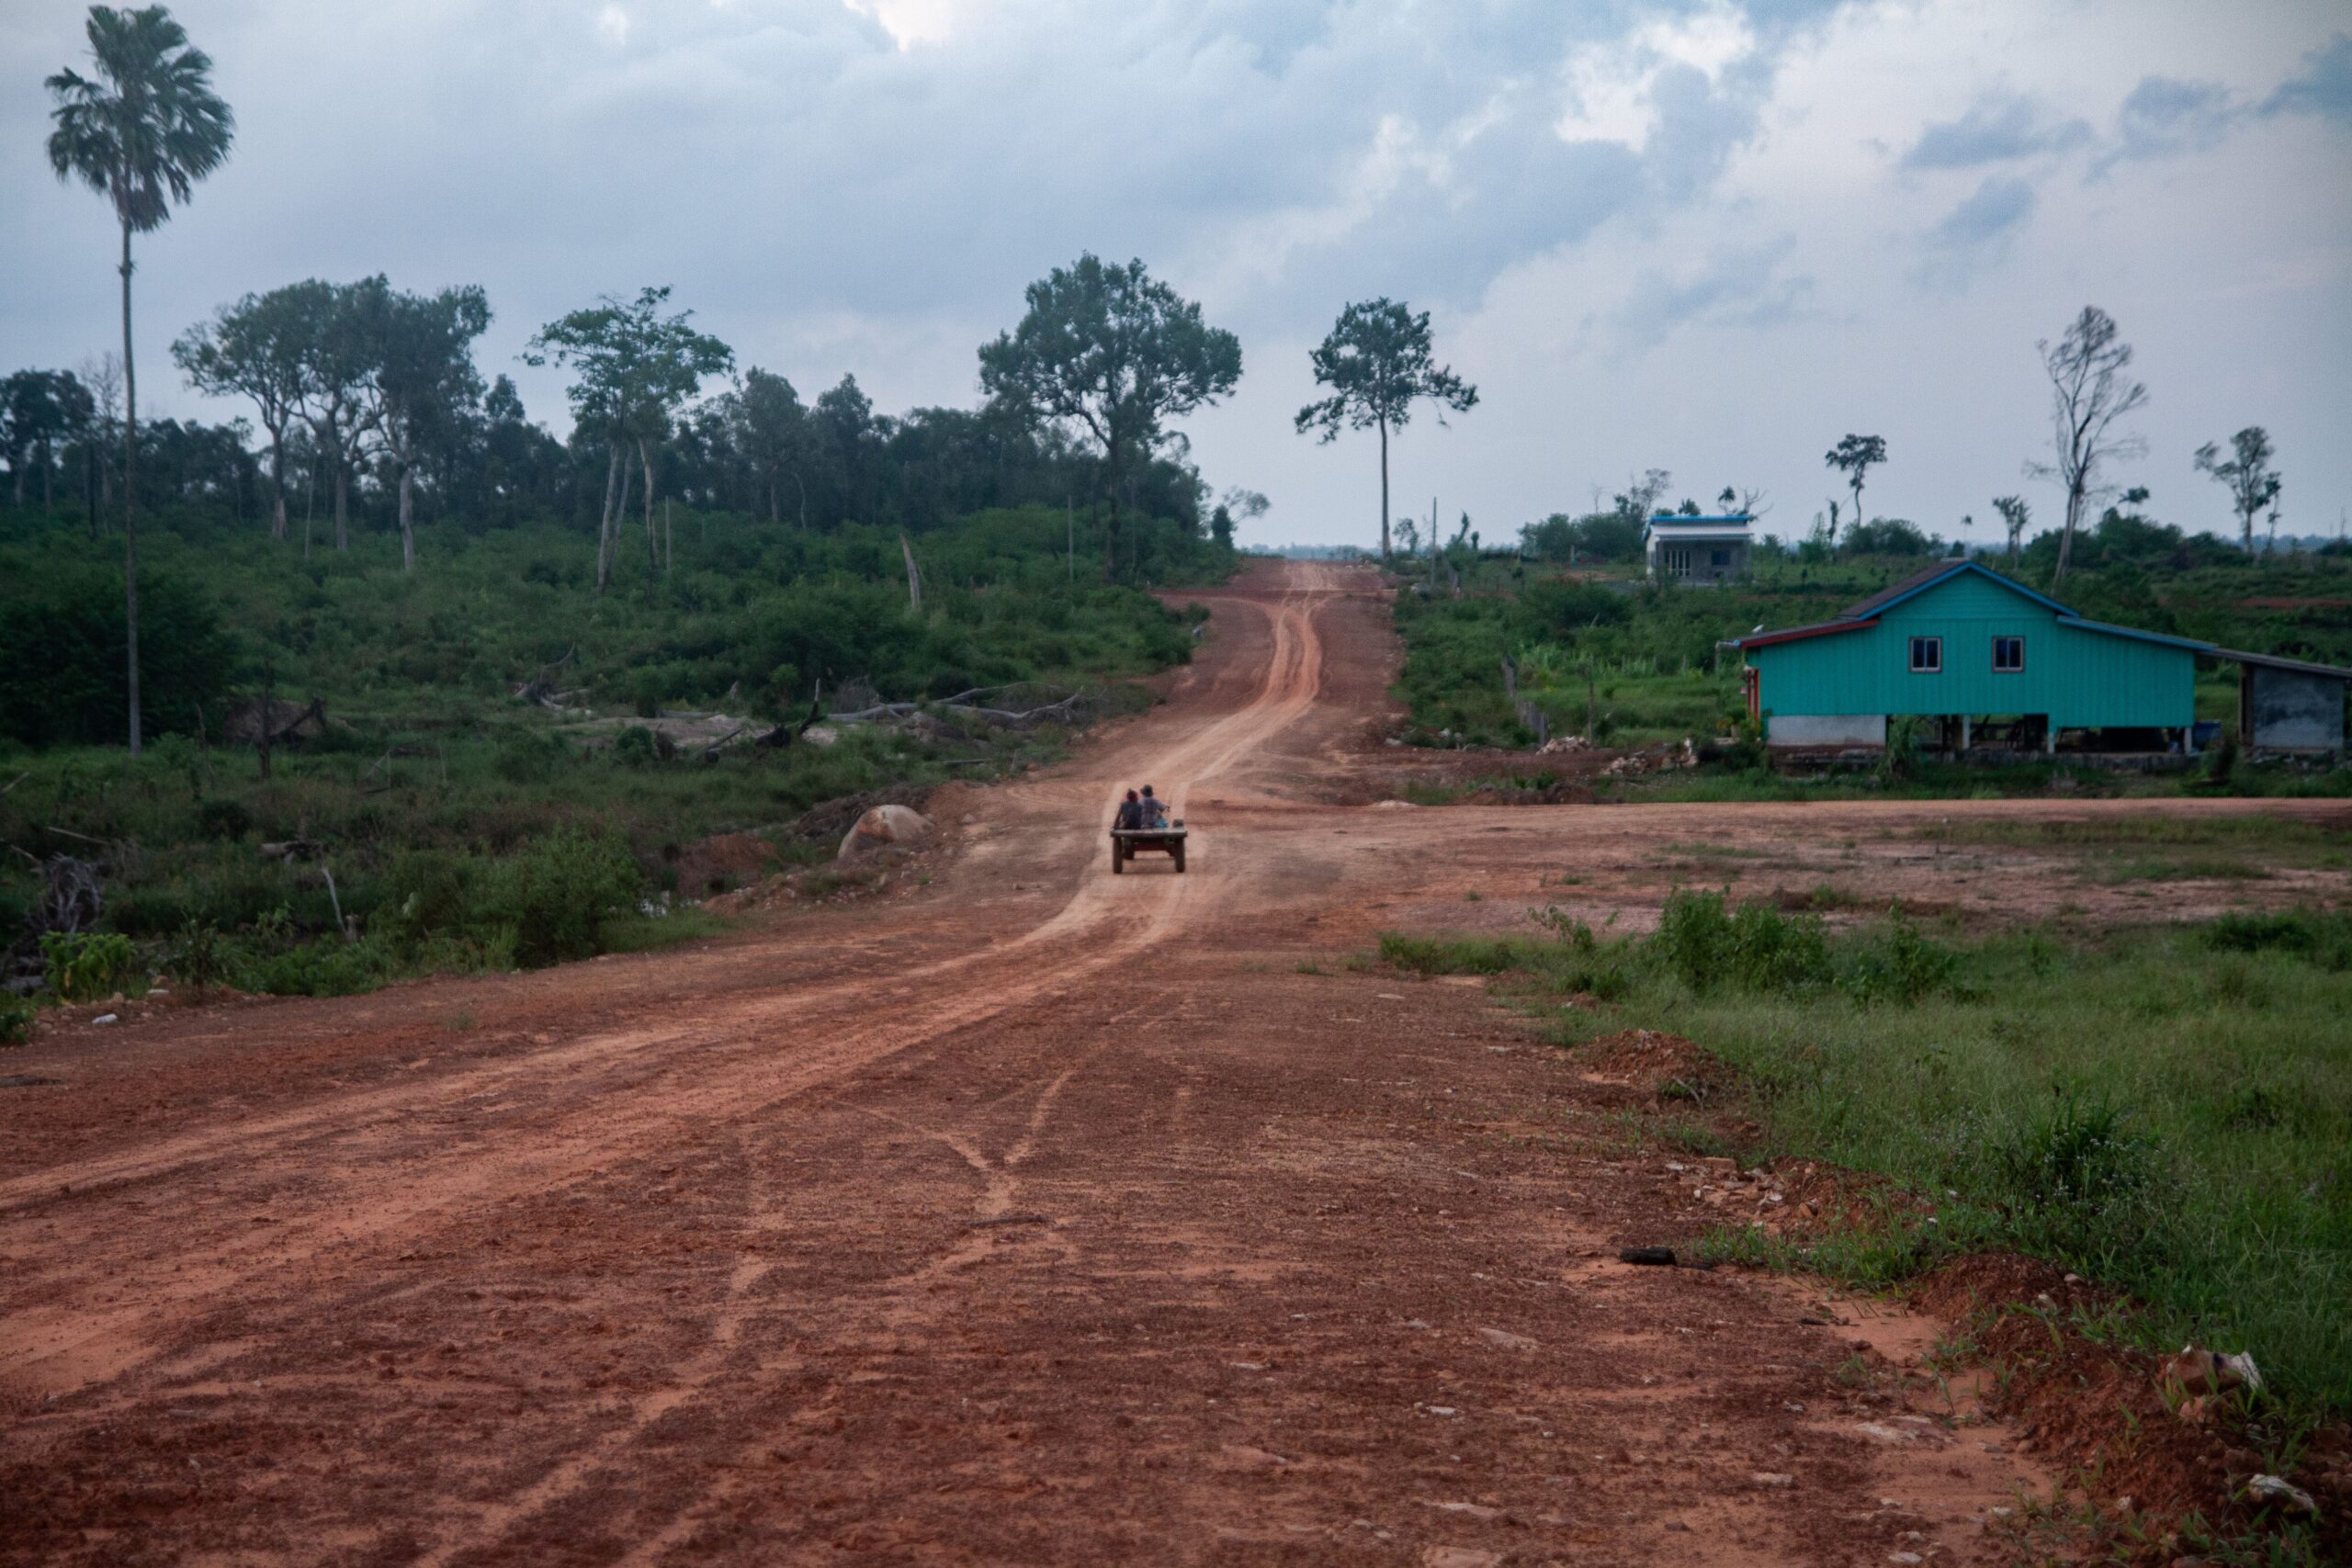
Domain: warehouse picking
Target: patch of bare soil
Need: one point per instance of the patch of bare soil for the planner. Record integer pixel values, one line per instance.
(722, 864)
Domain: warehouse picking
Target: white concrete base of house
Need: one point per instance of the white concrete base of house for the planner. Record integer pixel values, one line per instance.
(1822, 729)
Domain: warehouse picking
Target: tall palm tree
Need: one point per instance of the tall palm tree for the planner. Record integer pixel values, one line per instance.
(141, 133)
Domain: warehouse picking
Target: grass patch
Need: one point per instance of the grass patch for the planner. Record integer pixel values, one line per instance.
(2169, 1110)
(2168, 868)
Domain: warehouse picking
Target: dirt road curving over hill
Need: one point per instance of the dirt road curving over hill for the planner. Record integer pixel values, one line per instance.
(1037, 1217)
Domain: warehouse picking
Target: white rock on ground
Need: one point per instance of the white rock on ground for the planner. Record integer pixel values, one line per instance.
(885, 827)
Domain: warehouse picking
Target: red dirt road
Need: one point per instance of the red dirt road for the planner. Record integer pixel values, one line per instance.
(1039, 1217)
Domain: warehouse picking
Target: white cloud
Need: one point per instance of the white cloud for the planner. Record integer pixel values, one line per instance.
(1610, 86)
(912, 22)
(612, 26)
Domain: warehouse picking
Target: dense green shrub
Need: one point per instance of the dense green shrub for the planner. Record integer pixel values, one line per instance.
(16, 1014)
(82, 967)
(1756, 948)
(556, 896)
(64, 675)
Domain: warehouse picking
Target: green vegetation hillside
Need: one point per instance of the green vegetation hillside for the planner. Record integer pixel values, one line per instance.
(457, 822)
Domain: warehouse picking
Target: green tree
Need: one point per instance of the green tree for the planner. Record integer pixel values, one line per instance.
(425, 380)
(40, 410)
(1377, 362)
(141, 132)
(333, 328)
(1855, 457)
(634, 368)
(1112, 352)
(772, 433)
(2246, 473)
(2089, 394)
(253, 349)
(2015, 515)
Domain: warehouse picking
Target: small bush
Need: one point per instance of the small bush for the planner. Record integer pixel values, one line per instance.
(16, 1018)
(1756, 948)
(634, 746)
(1693, 937)
(82, 967)
(556, 894)
(199, 957)
(1903, 969)
(2077, 1179)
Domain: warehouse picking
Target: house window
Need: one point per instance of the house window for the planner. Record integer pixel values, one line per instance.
(2009, 655)
(1720, 557)
(1678, 559)
(1926, 656)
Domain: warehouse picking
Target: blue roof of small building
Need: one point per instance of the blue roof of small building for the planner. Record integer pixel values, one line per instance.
(1866, 612)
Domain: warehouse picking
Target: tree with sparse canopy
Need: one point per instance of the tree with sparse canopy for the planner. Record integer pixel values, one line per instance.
(1112, 351)
(253, 349)
(332, 327)
(141, 132)
(2015, 515)
(425, 376)
(1377, 361)
(2252, 482)
(2089, 394)
(1855, 457)
(635, 368)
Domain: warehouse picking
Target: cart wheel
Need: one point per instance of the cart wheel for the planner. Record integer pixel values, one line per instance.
(1180, 860)
(1118, 858)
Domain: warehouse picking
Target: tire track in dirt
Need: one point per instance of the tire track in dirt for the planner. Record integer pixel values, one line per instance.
(47, 1348)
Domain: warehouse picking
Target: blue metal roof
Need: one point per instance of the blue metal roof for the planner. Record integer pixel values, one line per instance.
(1656, 517)
(1919, 582)
(1866, 612)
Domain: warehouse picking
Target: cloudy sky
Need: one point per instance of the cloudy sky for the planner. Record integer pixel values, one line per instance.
(1705, 236)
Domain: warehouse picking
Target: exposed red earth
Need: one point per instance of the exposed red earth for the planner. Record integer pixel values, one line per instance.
(1029, 1216)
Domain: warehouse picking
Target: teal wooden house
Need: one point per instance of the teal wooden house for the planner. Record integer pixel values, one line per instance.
(1989, 659)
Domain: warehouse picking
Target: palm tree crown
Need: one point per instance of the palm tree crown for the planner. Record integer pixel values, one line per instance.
(148, 126)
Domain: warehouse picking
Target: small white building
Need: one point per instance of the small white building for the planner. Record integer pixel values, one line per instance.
(1707, 551)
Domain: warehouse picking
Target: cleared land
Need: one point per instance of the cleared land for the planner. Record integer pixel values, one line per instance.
(1033, 1216)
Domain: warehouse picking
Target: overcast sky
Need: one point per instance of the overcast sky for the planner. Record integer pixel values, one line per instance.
(1709, 237)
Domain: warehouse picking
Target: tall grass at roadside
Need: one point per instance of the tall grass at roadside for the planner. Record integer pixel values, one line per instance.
(2166, 1110)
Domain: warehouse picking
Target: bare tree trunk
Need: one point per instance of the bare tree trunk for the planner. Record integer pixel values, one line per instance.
(1384, 489)
(130, 495)
(278, 483)
(613, 473)
(341, 497)
(2066, 539)
(408, 533)
(914, 577)
(653, 542)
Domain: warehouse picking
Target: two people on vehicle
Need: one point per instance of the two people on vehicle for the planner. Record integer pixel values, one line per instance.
(1142, 813)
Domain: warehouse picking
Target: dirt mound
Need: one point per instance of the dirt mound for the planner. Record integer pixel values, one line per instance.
(2104, 1408)
(1652, 1059)
(722, 864)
